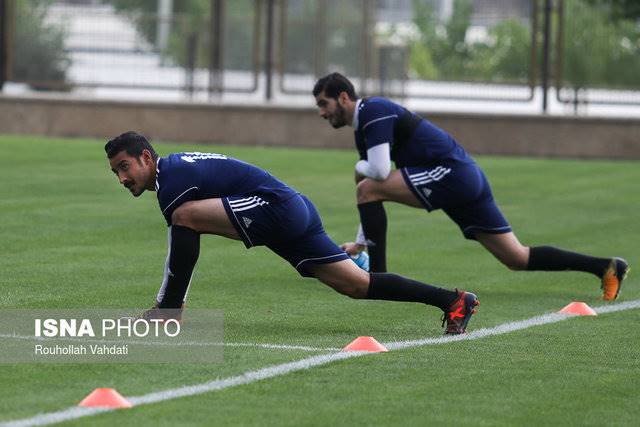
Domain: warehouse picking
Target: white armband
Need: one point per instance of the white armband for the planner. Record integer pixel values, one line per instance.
(378, 163)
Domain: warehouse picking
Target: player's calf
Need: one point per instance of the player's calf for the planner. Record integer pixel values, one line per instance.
(374, 224)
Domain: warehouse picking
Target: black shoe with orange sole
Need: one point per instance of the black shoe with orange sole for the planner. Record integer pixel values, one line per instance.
(459, 313)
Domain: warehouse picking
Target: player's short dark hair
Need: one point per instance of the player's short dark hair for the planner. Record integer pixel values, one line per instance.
(334, 84)
(131, 142)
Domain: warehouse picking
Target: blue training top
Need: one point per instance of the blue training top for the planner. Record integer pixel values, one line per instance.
(413, 140)
(183, 177)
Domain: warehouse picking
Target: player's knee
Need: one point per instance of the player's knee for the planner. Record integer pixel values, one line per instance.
(182, 216)
(366, 191)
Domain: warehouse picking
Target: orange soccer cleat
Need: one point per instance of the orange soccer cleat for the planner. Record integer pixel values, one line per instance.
(613, 277)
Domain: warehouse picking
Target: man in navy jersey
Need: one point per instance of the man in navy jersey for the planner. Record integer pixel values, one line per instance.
(205, 193)
(433, 172)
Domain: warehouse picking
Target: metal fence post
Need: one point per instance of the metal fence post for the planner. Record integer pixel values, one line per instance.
(559, 48)
(192, 58)
(546, 52)
(268, 60)
(163, 24)
(320, 42)
(368, 21)
(216, 44)
(3, 42)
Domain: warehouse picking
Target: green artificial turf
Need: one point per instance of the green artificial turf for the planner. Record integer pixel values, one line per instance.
(72, 237)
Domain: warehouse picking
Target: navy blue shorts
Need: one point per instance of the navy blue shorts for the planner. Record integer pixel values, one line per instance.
(291, 228)
(462, 191)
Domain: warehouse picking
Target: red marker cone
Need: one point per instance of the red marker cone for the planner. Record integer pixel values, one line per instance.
(105, 398)
(365, 344)
(578, 308)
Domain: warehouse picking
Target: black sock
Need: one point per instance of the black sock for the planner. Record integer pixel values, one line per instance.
(392, 287)
(374, 225)
(548, 258)
(185, 249)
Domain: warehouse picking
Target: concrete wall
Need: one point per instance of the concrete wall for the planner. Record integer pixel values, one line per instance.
(271, 125)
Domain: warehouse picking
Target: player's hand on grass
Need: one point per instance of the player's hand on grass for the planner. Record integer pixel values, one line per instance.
(162, 313)
(352, 248)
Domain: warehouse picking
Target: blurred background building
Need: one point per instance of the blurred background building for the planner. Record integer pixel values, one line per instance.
(460, 55)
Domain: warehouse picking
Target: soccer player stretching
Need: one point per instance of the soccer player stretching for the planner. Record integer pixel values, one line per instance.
(433, 172)
(204, 193)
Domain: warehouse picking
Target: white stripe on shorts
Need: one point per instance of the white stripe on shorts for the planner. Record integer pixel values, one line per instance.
(429, 172)
(250, 201)
(430, 177)
(232, 202)
(244, 208)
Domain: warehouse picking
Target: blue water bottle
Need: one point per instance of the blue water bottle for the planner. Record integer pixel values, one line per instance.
(361, 260)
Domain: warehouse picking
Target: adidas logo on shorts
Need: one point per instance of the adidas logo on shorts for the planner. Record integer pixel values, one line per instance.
(247, 221)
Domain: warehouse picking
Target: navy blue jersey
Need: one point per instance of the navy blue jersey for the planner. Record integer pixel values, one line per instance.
(413, 140)
(183, 177)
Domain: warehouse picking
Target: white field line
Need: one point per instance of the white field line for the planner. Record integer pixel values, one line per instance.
(177, 344)
(509, 327)
(248, 377)
(280, 346)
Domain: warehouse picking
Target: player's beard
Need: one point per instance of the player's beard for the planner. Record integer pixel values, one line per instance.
(339, 118)
(135, 192)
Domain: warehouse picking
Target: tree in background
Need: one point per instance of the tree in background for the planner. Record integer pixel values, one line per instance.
(599, 51)
(506, 57)
(601, 46)
(619, 9)
(442, 52)
(39, 57)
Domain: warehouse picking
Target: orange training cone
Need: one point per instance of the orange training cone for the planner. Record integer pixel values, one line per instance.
(365, 344)
(105, 398)
(578, 308)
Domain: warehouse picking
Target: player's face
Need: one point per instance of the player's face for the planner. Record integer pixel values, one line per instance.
(331, 110)
(134, 173)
